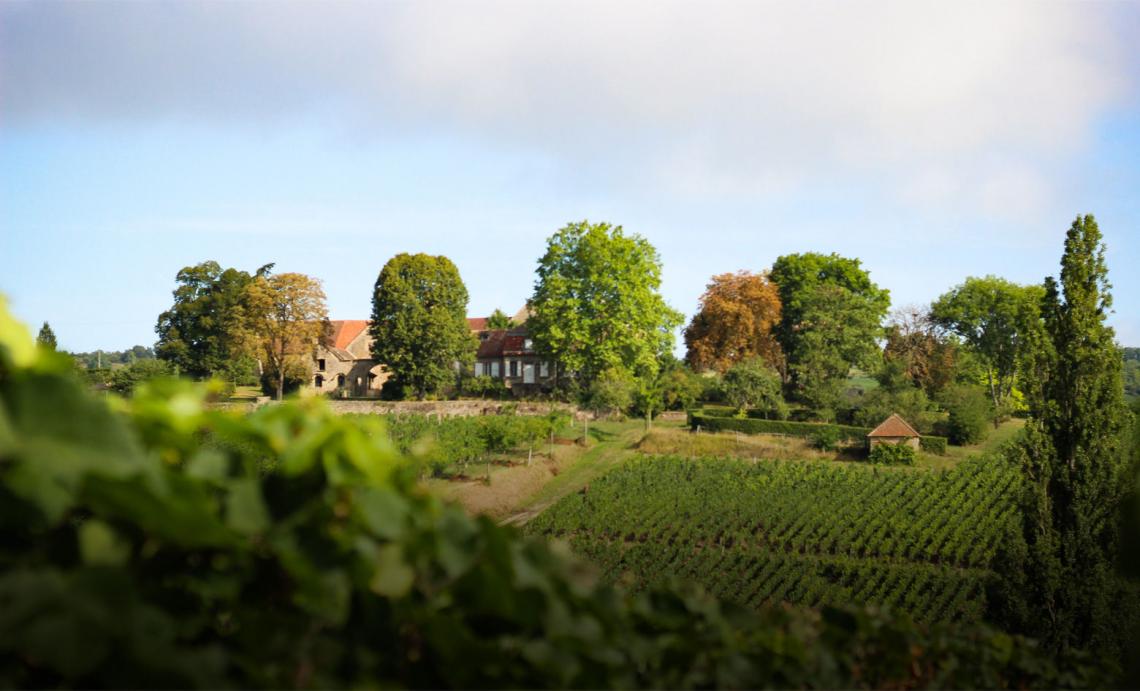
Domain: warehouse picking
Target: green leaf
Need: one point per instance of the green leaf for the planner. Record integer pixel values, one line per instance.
(100, 544)
(246, 512)
(393, 577)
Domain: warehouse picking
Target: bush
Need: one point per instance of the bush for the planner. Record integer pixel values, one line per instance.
(612, 392)
(752, 385)
(892, 454)
(124, 380)
(932, 444)
(911, 403)
(970, 412)
(483, 386)
(826, 439)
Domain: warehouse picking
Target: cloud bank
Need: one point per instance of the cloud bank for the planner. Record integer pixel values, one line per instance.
(947, 103)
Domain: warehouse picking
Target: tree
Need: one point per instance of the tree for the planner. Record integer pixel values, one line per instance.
(500, 320)
(419, 323)
(596, 304)
(1061, 585)
(830, 320)
(201, 333)
(754, 384)
(734, 322)
(922, 354)
(46, 337)
(611, 392)
(970, 412)
(995, 318)
(285, 319)
(125, 380)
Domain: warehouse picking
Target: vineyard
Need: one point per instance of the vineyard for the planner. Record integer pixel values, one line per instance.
(811, 534)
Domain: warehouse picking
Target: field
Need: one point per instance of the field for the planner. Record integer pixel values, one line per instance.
(807, 533)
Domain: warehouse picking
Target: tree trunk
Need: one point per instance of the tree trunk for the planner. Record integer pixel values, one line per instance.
(280, 382)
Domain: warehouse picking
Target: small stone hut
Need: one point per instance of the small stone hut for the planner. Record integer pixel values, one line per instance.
(894, 430)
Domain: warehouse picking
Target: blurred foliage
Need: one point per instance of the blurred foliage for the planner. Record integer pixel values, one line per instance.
(147, 542)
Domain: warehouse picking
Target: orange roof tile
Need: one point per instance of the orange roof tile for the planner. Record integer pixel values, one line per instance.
(345, 331)
(894, 426)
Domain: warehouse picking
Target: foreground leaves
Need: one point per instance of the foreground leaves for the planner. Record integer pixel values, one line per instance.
(151, 546)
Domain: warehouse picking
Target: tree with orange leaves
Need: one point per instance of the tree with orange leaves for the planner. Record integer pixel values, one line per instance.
(734, 323)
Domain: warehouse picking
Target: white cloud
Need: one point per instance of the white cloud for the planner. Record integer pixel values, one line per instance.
(944, 101)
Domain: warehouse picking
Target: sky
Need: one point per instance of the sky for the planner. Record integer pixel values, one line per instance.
(934, 141)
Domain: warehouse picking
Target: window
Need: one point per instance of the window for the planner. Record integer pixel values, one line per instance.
(494, 369)
(514, 368)
(340, 380)
(321, 364)
(544, 369)
(319, 382)
(528, 344)
(478, 369)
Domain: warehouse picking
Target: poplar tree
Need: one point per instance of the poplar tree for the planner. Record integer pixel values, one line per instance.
(1062, 586)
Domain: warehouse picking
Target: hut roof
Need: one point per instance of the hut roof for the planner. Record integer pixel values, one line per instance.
(894, 426)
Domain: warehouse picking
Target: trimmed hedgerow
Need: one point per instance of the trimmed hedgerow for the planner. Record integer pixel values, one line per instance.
(933, 444)
(713, 423)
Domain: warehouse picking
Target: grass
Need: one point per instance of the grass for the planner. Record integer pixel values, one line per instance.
(679, 442)
(245, 393)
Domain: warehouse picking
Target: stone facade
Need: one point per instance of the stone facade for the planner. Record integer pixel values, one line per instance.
(345, 368)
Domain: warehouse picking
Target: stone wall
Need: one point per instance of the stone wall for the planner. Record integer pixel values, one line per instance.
(452, 408)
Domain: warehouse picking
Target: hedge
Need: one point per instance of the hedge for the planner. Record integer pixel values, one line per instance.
(753, 426)
(933, 444)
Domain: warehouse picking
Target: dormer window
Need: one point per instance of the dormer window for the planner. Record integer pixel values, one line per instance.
(528, 344)
(321, 365)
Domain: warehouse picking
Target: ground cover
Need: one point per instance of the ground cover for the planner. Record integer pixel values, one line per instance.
(808, 533)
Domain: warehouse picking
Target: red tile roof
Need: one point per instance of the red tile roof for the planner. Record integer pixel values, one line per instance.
(345, 331)
(477, 323)
(492, 345)
(894, 426)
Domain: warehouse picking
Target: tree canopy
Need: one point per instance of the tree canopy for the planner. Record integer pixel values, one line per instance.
(923, 355)
(200, 333)
(500, 320)
(285, 318)
(996, 319)
(831, 318)
(735, 321)
(596, 303)
(419, 323)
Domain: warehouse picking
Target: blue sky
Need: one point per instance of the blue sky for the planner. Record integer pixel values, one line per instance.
(932, 141)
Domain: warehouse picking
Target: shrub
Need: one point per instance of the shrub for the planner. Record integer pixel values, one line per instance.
(124, 380)
(753, 385)
(932, 444)
(826, 439)
(970, 412)
(483, 386)
(911, 403)
(892, 454)
(612, 392)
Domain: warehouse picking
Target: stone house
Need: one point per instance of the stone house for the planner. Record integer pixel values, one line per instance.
(894, 430)
(345, 366)
(509, 355)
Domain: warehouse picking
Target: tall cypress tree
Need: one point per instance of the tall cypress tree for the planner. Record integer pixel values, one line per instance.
(46, 337)
(1063, 586)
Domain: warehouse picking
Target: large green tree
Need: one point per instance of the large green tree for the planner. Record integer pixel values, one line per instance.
(200, 333)
(996, 319)
(419, 323)
(1063, 587)
(596, 305)
(831, 318)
